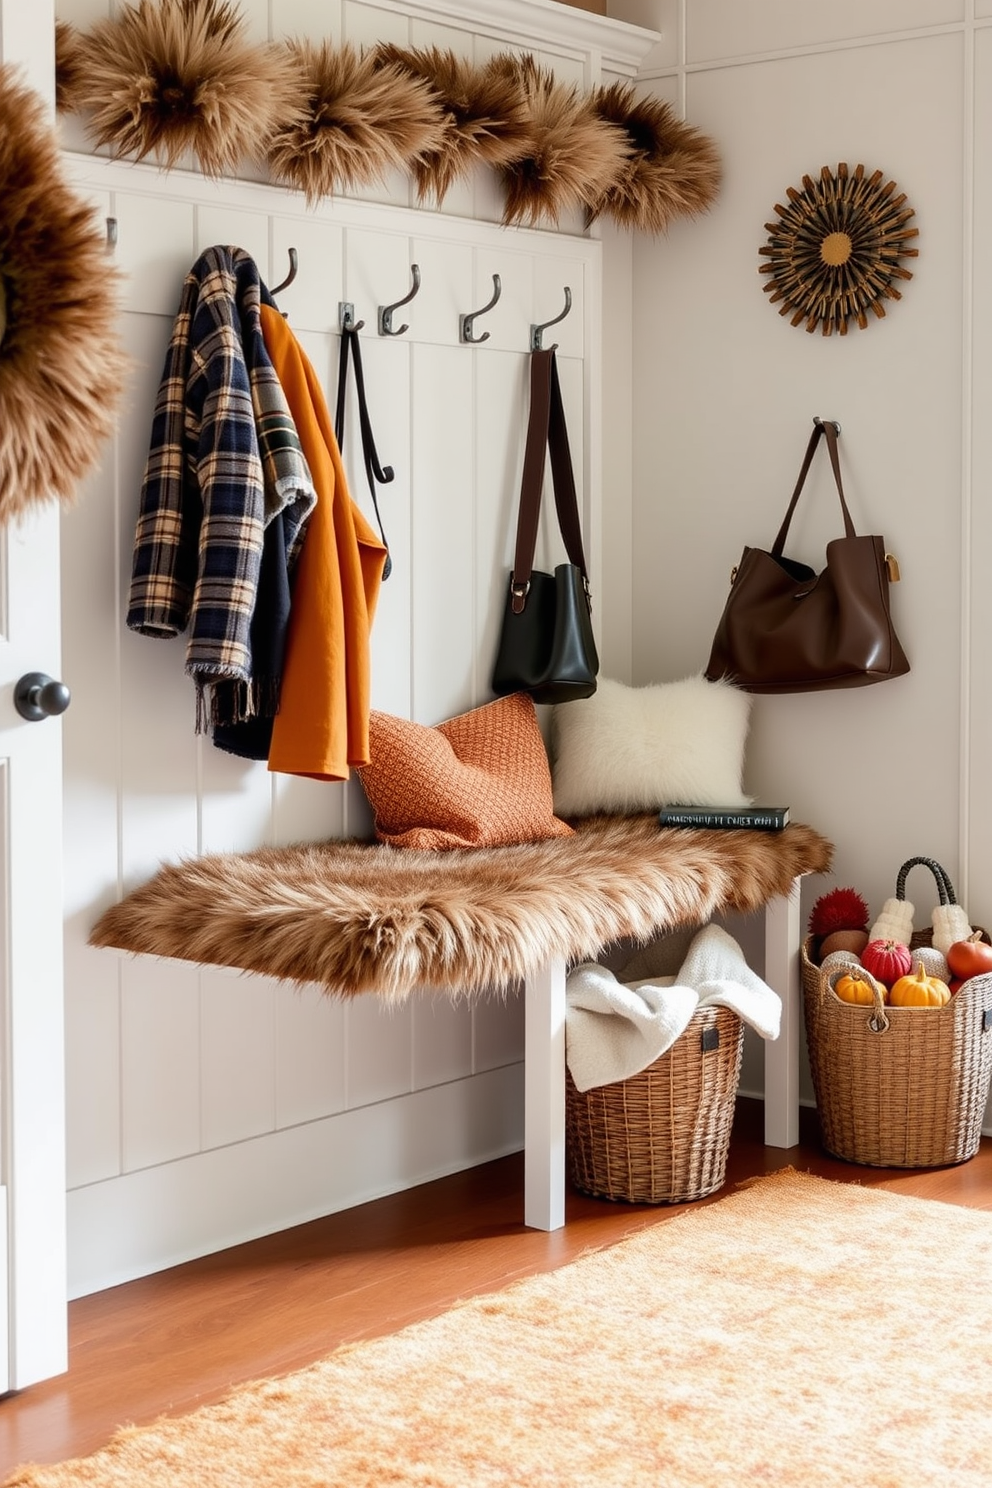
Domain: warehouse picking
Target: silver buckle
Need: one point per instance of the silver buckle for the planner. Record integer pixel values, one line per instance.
(518, 595)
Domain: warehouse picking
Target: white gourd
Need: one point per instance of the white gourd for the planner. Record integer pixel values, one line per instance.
(895, 922)
(950, 924)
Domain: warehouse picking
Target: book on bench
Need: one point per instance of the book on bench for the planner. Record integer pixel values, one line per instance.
(760, 818)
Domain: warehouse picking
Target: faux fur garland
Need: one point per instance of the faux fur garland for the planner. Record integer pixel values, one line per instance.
(68, 67)
(574, 154)
(672, 170)
(361, 116)
(171, 77)
(484, 113)
(167, 77)
(61, 365)
(361, 917)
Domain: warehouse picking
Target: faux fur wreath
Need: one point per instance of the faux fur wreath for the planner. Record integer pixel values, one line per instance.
(169, 76)
(574, 154)
(672, 170)
(362, 917)
(360, 116)
(484, 112)
(61, 366)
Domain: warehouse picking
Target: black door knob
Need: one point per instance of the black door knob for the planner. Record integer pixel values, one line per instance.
(37, 696)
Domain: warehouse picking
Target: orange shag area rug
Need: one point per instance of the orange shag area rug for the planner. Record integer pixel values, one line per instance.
(799, 1332)
(366, 917)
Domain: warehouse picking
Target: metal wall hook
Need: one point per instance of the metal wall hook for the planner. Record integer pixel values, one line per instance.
(346, 317)
(817, 420)
(111, 234)
(386, 311)
(466, 322)
(294, 264)
(537, 331)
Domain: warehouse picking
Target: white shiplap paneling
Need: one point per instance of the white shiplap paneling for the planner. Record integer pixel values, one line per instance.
(237, 1071)
(206, 1061)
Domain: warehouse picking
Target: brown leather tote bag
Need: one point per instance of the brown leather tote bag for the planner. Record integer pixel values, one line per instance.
(787, 628)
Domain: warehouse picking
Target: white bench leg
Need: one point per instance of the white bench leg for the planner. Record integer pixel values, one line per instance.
(544, 1098)
(782, 946)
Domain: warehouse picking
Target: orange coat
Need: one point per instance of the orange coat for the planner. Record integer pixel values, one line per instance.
(322, 726)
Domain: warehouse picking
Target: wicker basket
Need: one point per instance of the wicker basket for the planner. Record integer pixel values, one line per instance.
(899, 1087)
(661, 1136)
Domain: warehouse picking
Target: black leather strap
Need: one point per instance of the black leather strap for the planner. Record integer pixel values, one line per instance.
(373, 470)
(825, 428)
(546, 430)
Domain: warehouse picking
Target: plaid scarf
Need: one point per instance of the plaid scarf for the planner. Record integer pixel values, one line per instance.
(224, 462)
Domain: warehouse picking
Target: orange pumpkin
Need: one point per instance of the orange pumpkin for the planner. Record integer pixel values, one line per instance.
(920, 990)
(853, 987)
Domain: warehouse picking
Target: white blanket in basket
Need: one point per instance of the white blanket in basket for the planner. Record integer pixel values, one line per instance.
(614, 1029)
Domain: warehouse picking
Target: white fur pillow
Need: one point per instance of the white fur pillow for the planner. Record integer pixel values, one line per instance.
(628, 749)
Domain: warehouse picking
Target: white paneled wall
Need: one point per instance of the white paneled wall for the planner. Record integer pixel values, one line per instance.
(169, 1061)
(205, 1106)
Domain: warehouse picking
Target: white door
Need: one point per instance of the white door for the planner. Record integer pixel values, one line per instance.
(33, 1333)
(32, 1155)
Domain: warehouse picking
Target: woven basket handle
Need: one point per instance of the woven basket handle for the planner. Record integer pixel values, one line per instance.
(945, 888)
(877, 1020)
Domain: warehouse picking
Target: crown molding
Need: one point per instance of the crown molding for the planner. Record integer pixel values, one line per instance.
(618, 46)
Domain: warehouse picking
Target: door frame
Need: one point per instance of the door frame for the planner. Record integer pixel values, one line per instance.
(32, 1072)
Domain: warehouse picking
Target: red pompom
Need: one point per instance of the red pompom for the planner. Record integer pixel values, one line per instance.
(841, 909)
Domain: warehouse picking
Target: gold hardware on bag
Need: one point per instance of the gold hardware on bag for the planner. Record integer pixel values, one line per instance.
(733, 576)
(892, 564)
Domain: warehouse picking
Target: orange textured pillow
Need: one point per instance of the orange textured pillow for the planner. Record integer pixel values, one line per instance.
(480, 780)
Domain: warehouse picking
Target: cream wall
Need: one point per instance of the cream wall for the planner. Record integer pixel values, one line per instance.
(726, 390)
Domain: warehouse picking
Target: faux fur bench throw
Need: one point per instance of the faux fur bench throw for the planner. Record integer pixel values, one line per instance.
(365, 917)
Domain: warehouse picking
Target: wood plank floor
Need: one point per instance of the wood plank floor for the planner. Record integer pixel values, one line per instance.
(168, 1343)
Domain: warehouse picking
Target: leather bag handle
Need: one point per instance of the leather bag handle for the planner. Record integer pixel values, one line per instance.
(546, 430)
(822, 427)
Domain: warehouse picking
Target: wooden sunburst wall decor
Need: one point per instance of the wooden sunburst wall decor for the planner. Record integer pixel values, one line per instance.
(836, 248)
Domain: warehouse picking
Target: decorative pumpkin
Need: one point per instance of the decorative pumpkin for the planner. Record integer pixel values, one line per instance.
(935, 962)
(838, 960)
(894, 923)
(971, 957)
(950, 924)
(888, 960)
(854, 987)
(853, 941)
(919, 990)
